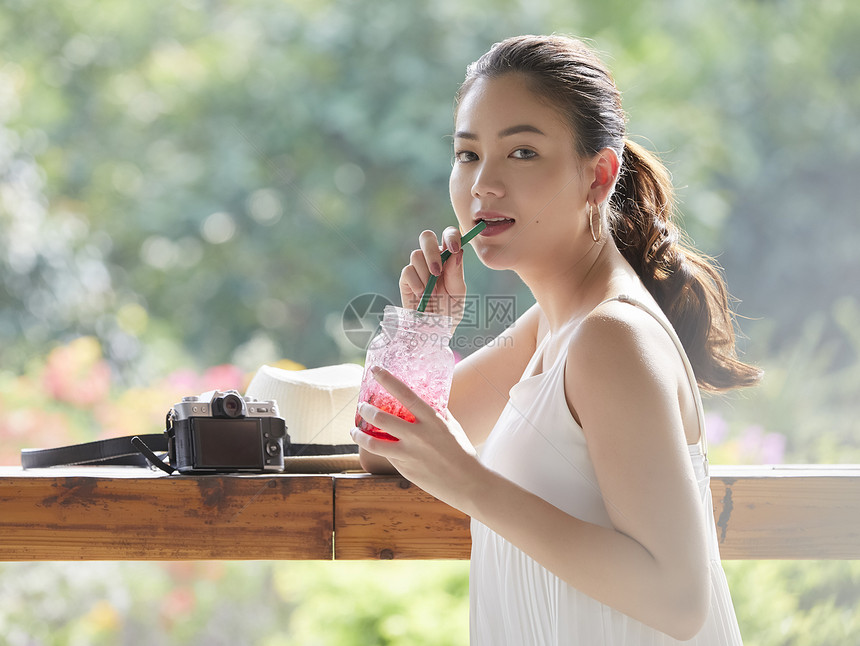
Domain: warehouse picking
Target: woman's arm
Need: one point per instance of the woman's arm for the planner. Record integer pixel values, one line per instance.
(623, 379)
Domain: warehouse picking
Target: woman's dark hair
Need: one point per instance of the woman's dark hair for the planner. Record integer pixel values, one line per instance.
(686, 284)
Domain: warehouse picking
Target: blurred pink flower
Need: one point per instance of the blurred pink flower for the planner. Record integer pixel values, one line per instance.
(750, 440)
(77, 373)
(185, 381)
(773, 448)
(223, 377)
(177, 605)
(760, 447)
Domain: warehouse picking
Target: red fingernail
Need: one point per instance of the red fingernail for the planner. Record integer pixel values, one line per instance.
(435, 269)
(374, 369)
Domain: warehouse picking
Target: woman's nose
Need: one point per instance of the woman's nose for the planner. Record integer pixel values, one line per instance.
(488, 181)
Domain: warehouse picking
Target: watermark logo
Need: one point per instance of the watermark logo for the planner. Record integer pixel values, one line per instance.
(361, 318)
(488, 312)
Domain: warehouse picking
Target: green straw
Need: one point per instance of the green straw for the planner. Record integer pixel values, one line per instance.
(431, 284)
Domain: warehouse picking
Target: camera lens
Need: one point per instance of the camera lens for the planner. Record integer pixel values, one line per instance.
(231, 406)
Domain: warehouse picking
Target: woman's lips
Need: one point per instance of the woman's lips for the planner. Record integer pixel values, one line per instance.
(497, 227)
(496, 223)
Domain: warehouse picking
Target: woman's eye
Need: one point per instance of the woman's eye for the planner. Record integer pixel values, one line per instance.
(463, 156)
(523, 153)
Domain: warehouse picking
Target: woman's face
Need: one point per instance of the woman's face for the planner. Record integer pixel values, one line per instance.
(515, 167)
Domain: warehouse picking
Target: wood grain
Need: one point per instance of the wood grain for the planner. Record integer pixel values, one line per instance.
(165, 518)
(788, 512)
(387, 517)
(761, 512)
(94, 513)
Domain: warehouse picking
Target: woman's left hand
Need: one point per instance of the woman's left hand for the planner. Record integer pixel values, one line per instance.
(433, 452)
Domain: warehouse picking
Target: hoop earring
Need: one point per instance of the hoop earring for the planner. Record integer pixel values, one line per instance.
(597, 237)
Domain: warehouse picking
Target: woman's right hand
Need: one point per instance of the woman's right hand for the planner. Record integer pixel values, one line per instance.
(449, 295)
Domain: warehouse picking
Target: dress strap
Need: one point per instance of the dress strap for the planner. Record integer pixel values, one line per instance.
(691, 376)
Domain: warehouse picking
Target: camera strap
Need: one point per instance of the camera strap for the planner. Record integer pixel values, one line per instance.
(298, 450)
(125, 451)
(117, 451)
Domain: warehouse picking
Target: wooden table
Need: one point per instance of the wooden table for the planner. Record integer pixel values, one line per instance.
(101, 513)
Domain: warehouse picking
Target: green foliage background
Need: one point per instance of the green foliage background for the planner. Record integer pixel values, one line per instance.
(203, 182)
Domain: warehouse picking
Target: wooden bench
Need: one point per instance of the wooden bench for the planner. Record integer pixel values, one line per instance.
(101, 513)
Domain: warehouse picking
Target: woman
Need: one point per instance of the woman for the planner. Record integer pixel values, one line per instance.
(591, 513)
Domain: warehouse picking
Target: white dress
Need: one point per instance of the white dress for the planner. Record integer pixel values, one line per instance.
(537, 444)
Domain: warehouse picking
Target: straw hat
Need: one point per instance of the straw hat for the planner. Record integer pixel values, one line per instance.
(318, 406)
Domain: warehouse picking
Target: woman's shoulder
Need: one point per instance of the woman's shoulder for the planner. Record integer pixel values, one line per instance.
(620, 361)
(618, 338)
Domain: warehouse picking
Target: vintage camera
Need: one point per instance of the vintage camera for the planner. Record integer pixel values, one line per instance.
(223, 432)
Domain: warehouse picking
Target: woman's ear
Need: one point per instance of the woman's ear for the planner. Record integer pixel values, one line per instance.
(606, 166)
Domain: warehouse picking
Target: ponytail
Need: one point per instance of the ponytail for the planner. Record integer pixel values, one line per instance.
(686, 284)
